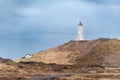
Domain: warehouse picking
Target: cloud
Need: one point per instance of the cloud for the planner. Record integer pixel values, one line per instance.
(104, 2)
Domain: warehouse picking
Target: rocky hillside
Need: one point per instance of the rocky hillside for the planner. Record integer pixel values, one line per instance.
(76, 60)
(103, 52)
(10, 70)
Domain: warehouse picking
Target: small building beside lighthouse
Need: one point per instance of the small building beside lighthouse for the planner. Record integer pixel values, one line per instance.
(28, 56)
(80, 32)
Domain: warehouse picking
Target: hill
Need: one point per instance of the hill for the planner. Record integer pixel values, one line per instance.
(75, 60)
(103, 52)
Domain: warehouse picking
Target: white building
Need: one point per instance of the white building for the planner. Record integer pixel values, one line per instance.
(80, 32)
(28, 56)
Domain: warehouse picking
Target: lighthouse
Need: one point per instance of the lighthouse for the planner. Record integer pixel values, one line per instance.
(80, 32)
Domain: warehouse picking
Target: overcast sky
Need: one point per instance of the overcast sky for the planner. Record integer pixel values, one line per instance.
(29, 26)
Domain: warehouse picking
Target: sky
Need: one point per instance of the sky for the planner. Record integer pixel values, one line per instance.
(30, 26)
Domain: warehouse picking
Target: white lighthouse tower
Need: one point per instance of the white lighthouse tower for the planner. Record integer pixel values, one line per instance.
(80, 32)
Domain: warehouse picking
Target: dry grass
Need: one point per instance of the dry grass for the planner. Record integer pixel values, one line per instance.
(104, 54)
